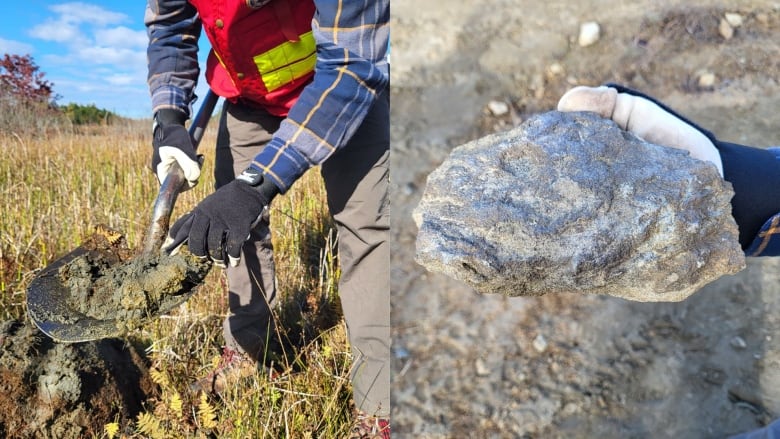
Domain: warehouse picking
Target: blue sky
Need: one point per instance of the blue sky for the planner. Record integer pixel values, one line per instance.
(93, 52)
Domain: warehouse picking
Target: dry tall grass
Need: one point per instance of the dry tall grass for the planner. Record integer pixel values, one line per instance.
(55, 188)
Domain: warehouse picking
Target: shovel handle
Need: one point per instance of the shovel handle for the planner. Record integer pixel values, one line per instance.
(174, 181)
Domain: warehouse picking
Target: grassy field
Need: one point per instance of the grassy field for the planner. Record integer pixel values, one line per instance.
(56, 188)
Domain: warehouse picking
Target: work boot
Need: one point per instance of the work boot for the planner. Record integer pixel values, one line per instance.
(370, 427)
(233, 367)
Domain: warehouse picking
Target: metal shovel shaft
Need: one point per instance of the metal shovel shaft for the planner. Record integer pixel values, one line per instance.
(174, 182)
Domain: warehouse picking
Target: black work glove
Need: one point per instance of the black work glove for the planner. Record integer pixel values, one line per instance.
(754, 173)
(173, 144)
(219, 225)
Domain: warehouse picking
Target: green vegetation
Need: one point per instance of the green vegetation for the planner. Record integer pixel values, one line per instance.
(87, 114)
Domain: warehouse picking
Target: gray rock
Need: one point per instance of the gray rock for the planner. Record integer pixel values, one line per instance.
(569, 202)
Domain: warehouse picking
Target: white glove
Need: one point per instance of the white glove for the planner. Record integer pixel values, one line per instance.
(173, 144)
(644, 118)
(172, 154)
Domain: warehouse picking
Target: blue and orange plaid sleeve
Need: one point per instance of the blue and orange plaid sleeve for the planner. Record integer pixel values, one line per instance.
(352, 70)
(173, 28)
(767, 242)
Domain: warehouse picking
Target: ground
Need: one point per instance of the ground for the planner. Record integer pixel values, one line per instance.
(66, 391)
(467, 365)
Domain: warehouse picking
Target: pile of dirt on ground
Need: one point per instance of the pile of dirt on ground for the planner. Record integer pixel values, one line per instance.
(65, 391)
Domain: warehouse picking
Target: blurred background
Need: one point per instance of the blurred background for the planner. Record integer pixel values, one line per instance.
(467, 365)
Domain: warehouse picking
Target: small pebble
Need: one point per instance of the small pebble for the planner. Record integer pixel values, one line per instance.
(738, 342)
(707, 80)
(555, 69)
(498, 108)
(540, 344)
(590, 32)
(734, 19)
(481, 368)
(400, 352)
(725, 29)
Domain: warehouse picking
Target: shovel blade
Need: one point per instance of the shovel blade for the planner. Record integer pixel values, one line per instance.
(47, 304)
(50, 306)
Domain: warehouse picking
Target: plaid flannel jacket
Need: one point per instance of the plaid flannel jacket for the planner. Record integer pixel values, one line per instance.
(767, 242)
(352, 70)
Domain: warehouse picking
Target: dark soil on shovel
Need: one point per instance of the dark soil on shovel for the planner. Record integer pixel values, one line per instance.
(105, 283)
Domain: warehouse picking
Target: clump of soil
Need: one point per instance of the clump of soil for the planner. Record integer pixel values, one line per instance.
(106, 283)
(50, 389)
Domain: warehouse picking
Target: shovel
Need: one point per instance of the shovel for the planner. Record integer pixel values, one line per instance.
(48, 295)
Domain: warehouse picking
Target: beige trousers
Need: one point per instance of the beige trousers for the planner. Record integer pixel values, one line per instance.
(356, 180)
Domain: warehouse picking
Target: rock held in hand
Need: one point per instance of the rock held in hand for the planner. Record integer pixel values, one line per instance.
(569, 202)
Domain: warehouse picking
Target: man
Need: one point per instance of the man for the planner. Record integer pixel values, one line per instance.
(306, 83)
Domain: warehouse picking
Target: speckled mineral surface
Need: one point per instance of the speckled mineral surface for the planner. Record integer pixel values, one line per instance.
(569, 202)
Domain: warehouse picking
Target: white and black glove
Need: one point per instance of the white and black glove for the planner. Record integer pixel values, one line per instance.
(754, 173)
(173, 144)
(219, 225)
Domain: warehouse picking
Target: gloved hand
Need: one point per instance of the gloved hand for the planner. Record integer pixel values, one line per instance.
(754, 173)
(219, 225)
(643, 117)
(173, 144)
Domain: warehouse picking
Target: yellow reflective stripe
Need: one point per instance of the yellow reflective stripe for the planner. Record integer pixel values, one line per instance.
(287, 61)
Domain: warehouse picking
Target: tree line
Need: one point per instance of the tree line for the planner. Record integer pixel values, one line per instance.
(26, 96)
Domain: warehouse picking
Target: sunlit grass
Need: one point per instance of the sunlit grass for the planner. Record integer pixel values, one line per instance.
(55, 189)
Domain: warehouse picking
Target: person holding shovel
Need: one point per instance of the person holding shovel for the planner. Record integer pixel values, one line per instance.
(306, 83)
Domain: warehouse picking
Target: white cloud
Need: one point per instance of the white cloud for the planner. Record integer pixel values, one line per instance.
(125, 79)
(59, 31)
(122, 37)
(99, 56)
(92, 39)
(78, 12)
(14, 47)
(121, 58)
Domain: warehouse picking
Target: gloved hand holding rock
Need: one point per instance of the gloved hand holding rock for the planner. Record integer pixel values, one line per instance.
(753, 172)
(172, 144)
(643, 117)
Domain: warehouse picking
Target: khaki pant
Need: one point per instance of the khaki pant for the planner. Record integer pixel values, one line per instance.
(356, 181)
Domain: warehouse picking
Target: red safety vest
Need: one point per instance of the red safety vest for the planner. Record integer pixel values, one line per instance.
(263, 55)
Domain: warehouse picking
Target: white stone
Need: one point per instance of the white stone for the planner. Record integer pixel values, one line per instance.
(725, 29)
(734, 19)
(738, 342)
(707, 80)
(555, 69)
(481, 368)
(540, 344)
(590, 32)
(498, 108)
